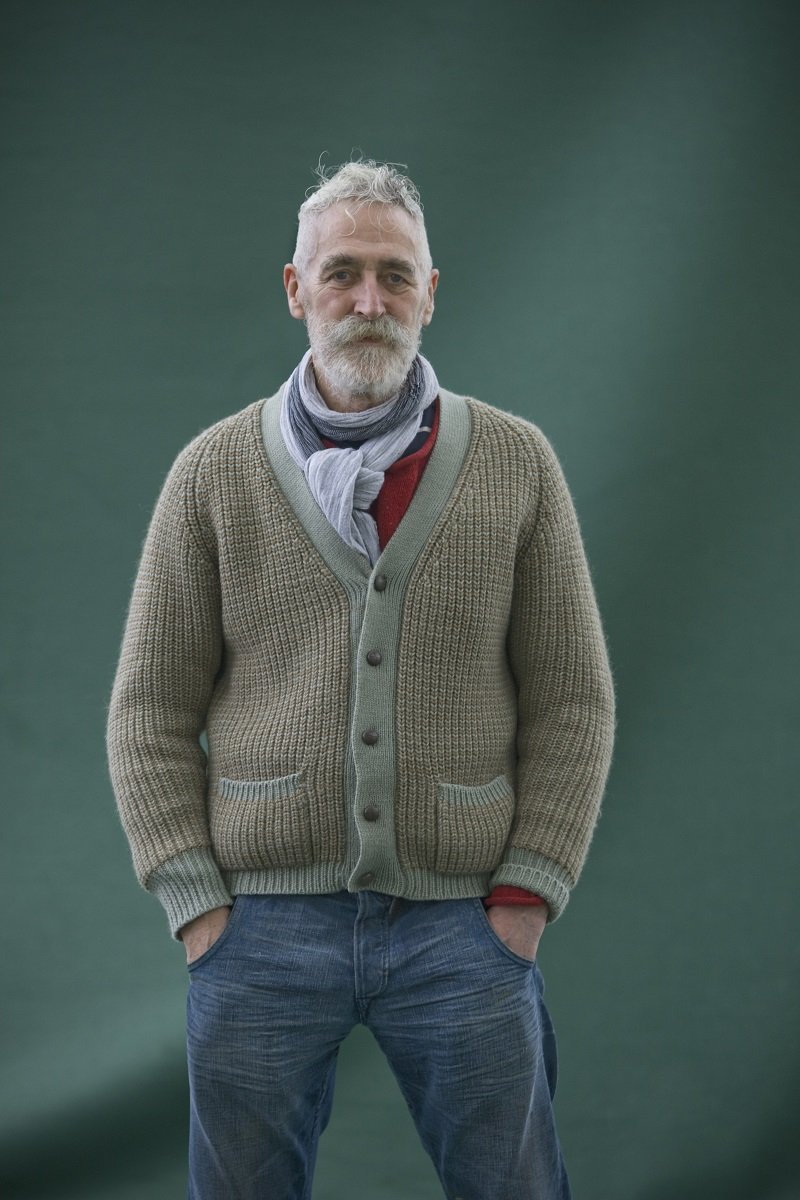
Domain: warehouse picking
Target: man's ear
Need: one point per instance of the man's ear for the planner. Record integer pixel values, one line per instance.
(427, 312)
(291, 283)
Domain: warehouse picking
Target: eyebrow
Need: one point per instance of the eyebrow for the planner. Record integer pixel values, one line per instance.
(335, 261)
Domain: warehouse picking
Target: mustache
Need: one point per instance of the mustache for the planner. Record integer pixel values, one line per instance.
(351, 329)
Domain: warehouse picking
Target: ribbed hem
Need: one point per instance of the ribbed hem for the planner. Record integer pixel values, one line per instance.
(334, 877)
(187, 886)
(538, 874)
(191, 883)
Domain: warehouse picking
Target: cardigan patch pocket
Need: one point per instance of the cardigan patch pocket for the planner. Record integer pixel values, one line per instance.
(261, 822)
(472, 825)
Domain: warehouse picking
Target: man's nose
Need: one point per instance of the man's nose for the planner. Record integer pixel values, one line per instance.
(368, 301)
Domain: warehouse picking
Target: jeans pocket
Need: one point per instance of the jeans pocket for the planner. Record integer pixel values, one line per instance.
(233, 917)
(488, 928)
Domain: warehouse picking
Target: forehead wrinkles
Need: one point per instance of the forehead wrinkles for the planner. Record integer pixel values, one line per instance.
(340, 222)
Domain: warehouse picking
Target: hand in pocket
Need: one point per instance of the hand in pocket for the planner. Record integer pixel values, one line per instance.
(200, 934)
(519, 926)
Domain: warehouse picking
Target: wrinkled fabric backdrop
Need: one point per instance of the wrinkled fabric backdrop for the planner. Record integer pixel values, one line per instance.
(612, 194)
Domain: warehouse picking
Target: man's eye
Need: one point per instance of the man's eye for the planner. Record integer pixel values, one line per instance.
(396, 279)
(340, 276)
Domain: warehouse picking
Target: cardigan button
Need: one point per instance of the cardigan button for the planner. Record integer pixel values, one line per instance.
(379, 583)
(366, 879)
(369, 737)
(371, 813)
(374, 658)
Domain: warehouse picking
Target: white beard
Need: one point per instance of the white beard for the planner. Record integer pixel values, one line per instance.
(374, 370)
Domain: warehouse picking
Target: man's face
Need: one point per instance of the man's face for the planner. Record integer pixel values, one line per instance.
(364, 293)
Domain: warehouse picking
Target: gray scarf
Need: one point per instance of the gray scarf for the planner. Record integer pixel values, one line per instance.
(344, 481)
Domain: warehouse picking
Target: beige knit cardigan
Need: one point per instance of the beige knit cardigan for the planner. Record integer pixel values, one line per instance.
(431, 727)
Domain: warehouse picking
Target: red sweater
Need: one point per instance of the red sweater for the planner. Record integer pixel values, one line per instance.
(399, 484)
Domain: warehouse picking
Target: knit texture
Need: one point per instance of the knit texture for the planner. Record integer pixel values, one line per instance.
(481, 739)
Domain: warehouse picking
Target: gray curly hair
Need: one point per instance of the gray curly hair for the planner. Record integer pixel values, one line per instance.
(362, 181)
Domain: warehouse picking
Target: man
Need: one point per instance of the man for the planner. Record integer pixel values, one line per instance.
(372, 595)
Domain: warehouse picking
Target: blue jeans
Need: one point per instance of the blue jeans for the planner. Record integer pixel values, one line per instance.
(459, 1016)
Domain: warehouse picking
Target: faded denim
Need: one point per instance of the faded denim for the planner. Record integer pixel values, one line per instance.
(459, 1016)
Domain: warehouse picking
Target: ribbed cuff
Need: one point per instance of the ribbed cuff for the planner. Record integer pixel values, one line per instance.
(535, 873)
(187, 886)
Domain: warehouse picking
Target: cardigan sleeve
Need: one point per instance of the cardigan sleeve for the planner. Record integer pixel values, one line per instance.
(565, 702)
(171, 653)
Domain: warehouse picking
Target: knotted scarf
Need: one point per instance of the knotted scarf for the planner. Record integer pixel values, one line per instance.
(345, 480)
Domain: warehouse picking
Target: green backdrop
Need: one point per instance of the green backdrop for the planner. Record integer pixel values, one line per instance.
(612, 198)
